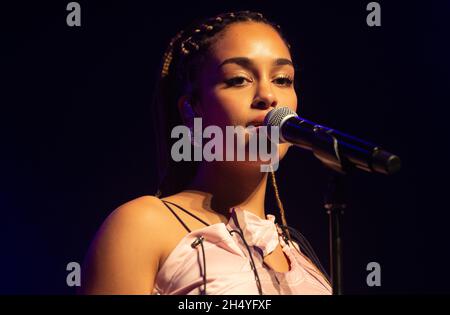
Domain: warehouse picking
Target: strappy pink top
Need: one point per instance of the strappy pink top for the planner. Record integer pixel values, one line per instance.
(229, 265)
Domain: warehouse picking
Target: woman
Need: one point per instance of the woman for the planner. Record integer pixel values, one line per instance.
(206, 231)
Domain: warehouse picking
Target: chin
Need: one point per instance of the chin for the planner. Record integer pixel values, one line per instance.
(282, 150)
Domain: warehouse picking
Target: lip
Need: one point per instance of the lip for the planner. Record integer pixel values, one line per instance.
(256, 124)
(258, 121)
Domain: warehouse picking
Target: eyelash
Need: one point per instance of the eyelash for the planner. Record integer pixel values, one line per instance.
(287, 79)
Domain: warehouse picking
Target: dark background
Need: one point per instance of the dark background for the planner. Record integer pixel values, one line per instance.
(77, 141)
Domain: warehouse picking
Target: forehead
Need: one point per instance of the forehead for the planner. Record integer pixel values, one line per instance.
(251, 40)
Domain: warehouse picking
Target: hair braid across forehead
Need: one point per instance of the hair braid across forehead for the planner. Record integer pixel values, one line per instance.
(198, 37)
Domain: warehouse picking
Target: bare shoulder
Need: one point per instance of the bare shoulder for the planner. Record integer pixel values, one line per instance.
(125, 253)
(145, 210)
(142, 217)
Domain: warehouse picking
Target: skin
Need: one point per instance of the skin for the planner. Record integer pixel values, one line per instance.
(128, 250)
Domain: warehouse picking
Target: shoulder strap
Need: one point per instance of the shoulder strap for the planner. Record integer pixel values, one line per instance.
(184, 210)
(176, 216)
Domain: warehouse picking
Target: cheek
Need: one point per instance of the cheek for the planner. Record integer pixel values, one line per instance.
(224, 109)
(292, 101)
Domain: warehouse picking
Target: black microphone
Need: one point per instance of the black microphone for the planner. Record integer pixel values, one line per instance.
(335, 149)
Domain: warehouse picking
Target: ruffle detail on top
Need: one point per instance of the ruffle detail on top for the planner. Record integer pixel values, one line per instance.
(258, 232)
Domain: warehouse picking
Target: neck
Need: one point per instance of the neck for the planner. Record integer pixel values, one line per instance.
(221, 187)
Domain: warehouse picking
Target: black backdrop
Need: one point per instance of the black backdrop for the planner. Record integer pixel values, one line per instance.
(76, 134)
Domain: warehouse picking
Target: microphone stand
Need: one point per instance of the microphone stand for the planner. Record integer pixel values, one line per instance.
(329, 150)
(326, 147)
(335, 204)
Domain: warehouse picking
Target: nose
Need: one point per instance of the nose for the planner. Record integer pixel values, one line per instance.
(265, 97)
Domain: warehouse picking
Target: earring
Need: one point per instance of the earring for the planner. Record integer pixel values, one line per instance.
(188, 111)
(190, 116)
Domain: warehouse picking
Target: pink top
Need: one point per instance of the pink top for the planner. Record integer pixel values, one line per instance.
(228, 263)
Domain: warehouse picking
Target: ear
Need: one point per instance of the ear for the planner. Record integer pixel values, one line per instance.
(187, 109)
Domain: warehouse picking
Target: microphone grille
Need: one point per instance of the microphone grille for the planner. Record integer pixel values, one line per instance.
(276, 116)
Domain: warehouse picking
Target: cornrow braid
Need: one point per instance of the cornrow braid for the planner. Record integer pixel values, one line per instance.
(168, 55)
(199, 35)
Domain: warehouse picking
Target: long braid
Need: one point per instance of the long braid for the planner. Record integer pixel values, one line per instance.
(306, 247)
(279, 203)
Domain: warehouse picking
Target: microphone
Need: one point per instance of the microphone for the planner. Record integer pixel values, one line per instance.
(335, 149)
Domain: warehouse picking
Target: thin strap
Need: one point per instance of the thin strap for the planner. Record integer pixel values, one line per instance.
(184, 210)
(176, 216)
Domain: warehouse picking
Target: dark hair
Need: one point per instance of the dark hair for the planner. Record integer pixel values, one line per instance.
(179, 72)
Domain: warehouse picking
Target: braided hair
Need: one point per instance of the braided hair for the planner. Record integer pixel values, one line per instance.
(178, 75)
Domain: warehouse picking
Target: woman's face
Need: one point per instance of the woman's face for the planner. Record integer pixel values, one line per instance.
(248, 73)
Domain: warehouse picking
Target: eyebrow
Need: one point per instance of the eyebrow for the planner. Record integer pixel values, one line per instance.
(248, 63)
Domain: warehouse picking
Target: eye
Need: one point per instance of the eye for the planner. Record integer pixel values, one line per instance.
(236, 81)
(284, 80)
